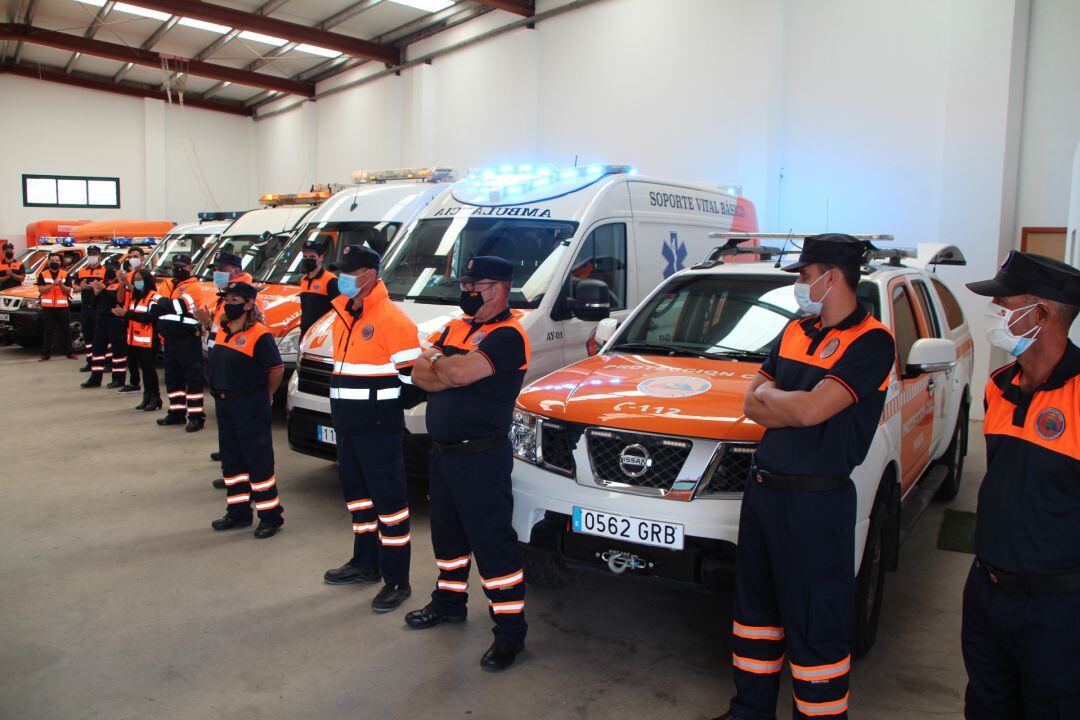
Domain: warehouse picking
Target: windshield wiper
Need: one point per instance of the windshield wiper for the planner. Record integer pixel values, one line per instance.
(655, 348)
(732, 353)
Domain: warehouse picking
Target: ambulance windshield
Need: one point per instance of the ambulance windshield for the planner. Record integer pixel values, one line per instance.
(161, 260)
(255, 253)
(285, 268)
(422, 266)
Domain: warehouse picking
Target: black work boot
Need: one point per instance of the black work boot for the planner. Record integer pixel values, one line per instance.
(195, 424)
(390, 597)
(215, 456)
(500, 655)
(90, 384)
(228, 522)
(113, 385)
(131, 388)
(348, 574)
(428, 616)
(267, 528)
(219, 483)
(171, 420)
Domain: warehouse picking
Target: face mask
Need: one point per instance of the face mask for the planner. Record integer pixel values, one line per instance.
(140, 285)
(9, 254)
(234, 312)
(94, 260)
(134, 262)
(55, 264)
(181, 273)
(470, 302)
(221, 279)
(802, 296)
(308, 264)
(347, 286)
(999, 321)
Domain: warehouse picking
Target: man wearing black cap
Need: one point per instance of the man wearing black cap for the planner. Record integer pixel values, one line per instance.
(245, 371)
(318, 286)
(820, 395)
(375, 347)
(89, 273)
(1020, 638)
(12, 272)
(183, 357)
(228, 268)
(473, 372)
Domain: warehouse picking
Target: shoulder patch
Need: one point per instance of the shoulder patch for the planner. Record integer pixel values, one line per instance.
(477, 338)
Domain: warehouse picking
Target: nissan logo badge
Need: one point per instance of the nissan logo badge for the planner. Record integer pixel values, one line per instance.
(634, 460)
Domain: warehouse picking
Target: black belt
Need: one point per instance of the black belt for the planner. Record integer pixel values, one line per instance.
(815, 483)
(469, 446)
(1015, 582)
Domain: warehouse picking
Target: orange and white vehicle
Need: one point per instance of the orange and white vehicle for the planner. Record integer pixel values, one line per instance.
(635, 459)
(193, 239)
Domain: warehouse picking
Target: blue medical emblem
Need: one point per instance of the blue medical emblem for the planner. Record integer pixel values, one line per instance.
(675, 254)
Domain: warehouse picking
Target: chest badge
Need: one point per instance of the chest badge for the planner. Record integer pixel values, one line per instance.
(240, 341)
(317, 286)
(829, 349)
(367, 331)
(477, 338)
(1050, 424)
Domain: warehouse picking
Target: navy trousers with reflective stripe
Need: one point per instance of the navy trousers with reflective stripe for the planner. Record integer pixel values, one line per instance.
(87, 315)
(1022, 652)
(794, 596)
(371, 466)
(110, 344)
(184, 376)
(472, 507)
(247, 456)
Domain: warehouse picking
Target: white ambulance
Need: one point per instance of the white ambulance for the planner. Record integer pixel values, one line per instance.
(584, 242)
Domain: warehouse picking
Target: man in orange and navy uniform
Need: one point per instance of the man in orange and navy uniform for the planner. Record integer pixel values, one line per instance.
(375, 347)
(245, 371)
(820, 395)
(92, 271)
(473, 372)
(179, 329)
(12, 272)
(54, 291)
(318, 286)
(1020, 637)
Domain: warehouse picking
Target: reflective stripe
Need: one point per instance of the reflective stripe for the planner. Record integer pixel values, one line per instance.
(359, 528)
(346, 368)
(503, 608)
(265, 485)
(503, 582)
(174, 406)
(835, 707)
(751, 632)
(405, 379)
(180, 319)
(364, 394)
(355, 505)
(237, 499)
(142, 338)
(454, 564)
(811, 673)
(267, 504)
(234, 479)
(453, 585)
(395, 541)
(177, 393)
(405, 356)
(395, 518)
(194, 396)
(758, 667)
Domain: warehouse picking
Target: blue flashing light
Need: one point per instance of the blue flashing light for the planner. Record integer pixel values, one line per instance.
(120, 242)
(633, 172)
(594, 170)
(506, 169)
(525, 168)
(514, 190)
(527, 182)
(545, 171)
(567, 174)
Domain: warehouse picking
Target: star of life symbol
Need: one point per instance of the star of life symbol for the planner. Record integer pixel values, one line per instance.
(674, 253)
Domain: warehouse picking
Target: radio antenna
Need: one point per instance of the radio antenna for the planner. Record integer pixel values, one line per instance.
(786, 241)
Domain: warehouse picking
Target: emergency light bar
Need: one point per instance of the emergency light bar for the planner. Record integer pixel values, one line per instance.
(314, 197)
(211, 215)
(132, 242)
(893, 255)
(431, 174)
(517, 184)
(51, 240)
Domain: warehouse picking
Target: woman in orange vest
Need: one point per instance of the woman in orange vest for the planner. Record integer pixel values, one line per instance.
(142, 339)
(54, 291)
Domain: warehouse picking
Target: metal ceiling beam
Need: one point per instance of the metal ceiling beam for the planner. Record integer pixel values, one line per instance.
(526, 8)
(154, 39)
(99, 21)
(92, 83)
(149, 58)
(238, 19)
(27, 18)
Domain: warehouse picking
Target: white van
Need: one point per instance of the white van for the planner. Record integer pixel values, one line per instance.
(576, 237)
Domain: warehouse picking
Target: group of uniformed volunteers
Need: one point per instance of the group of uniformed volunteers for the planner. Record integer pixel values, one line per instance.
(820, 396)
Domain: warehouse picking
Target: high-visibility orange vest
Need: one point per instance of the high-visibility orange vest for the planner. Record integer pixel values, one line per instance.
(52, 292)
(141, 334)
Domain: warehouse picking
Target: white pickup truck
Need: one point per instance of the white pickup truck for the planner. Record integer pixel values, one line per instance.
(635, 459)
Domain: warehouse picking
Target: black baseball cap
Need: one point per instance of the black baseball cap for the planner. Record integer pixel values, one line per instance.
(93, 250)
(358, 257)
(243, 289)
(314, 246)
(228, 258)
(487, 267)
(181, 259)
(8, 244)
(1030, 274)
(830, 248)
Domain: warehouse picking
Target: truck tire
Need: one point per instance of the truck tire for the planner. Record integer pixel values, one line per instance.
(870, 582)
(544, 569)
(953, 459)
(78, 342)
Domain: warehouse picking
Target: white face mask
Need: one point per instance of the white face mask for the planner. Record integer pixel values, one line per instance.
(999, 321)
(94, 260)
(802, 296)
(134, 262)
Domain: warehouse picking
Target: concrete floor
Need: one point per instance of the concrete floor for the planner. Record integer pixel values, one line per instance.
(118, 600)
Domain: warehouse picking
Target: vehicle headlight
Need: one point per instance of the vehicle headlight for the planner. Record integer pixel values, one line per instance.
(32, 304)
(289, 344)
(523, 435)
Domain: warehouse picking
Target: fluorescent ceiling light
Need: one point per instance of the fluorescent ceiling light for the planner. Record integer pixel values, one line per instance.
(142, 12)
(259, 37)
(316, 50)
(429, 5)
(95, 3)
(203, 25)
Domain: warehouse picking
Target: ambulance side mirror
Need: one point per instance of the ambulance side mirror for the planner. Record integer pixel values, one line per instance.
(591, 301)
(929, 355)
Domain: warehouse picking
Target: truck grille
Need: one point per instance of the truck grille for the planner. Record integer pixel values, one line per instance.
(557, 443)
(9, 303)
(730, 471)
(313, 377)
(637, 460)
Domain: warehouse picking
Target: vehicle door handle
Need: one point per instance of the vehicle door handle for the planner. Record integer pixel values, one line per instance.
(930, 384)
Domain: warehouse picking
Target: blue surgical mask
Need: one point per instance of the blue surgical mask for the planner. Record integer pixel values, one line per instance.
(140, 285)
(346, 285)
(802, 296)
(221, 279)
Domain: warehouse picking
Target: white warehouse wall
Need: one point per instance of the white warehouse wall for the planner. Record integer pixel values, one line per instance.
(172, 162)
